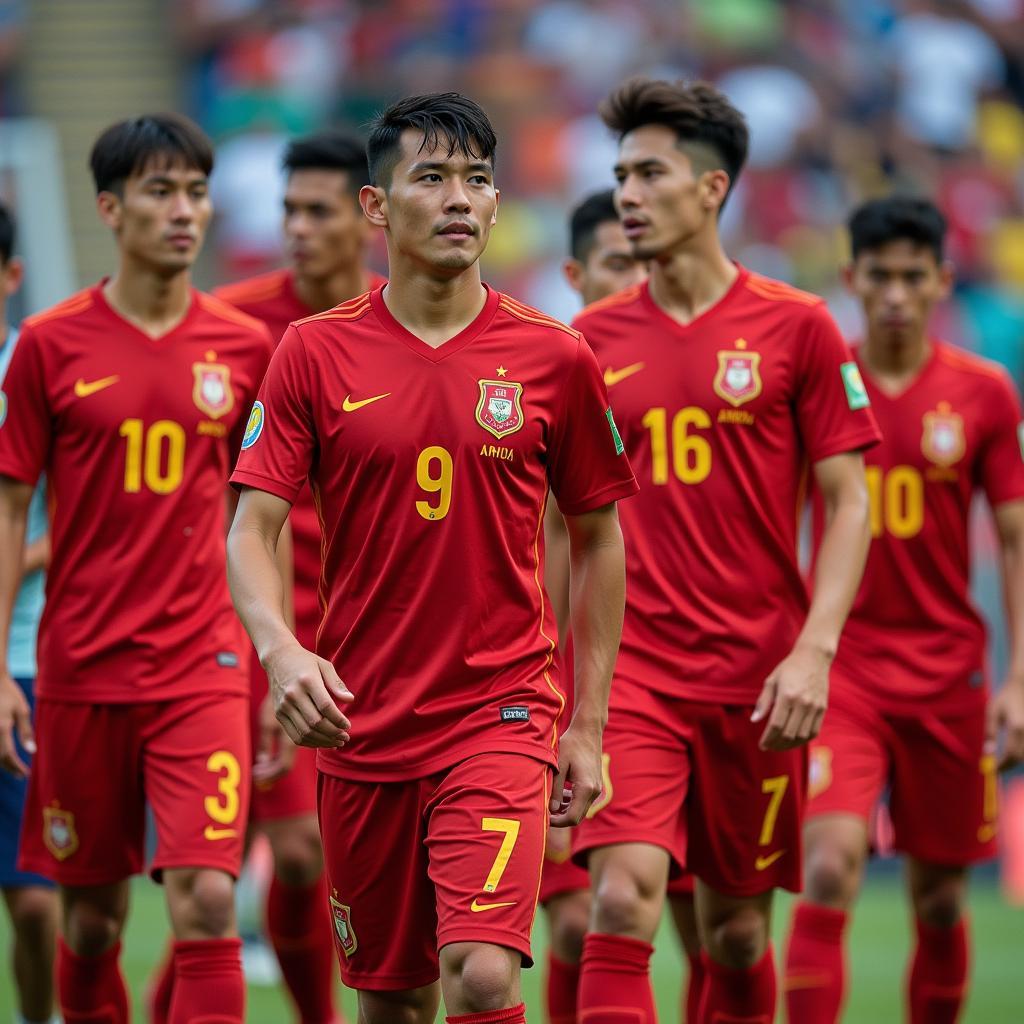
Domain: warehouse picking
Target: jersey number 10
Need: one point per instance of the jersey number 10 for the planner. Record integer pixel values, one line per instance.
(155, 456)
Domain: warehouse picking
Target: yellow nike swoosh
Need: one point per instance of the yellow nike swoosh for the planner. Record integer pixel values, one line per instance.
(349, 406)
(219, 833)
(84, 390)
(987, 832)
(478, 907)
(612, 377)
(766, 862)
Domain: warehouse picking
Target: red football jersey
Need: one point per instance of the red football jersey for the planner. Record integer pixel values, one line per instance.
(430, 468)
(137, 437)
(914, 636)
(720, 419)
(272, 298)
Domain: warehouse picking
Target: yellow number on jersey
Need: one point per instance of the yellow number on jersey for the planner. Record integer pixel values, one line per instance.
(156, 456)
(510, 826)
(227, 785)
(691, 452)
(439, 483)
(897, 501)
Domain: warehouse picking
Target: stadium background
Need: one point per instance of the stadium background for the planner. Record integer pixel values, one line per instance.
(846, 99)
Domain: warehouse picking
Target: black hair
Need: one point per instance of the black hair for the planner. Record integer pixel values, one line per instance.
(709, 128)
(444, 118)
(6, 234)
(125, 148)
(897, 218)
(329, 151)
(595, 210)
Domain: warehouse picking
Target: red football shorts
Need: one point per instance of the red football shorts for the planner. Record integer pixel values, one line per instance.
(413, 866)
(561, 875)
(943, 790)
(689, 777)
(99, 764)
(293, 795)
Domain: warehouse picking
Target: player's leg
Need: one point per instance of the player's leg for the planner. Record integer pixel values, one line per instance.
(633, 833)
(684, 917)
(33, 912)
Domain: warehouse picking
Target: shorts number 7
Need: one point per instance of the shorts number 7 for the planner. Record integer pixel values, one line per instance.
(777, 788)
(510, 826)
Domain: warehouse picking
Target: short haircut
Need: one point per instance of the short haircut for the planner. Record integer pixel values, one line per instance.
(125, 148)
(6, 234)
(895, 219)
(595, 210)
(710, 129)
(444, 118)
(329, 151)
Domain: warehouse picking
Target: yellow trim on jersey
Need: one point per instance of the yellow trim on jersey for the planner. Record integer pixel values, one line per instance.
(549, 660)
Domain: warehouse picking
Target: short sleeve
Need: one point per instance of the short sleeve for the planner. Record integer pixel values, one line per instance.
(26, 422)
(277, 448)
(588, 467)
(832, 405)
(260, 360)
(1001, 455)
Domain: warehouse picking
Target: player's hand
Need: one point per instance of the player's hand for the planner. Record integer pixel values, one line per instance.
(275, 753)
(15, 718)
(794, 698)
(306, 691)
(578, 782)
(1006, 715)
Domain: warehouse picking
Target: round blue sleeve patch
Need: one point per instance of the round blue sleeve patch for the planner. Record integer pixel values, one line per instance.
(254, 427)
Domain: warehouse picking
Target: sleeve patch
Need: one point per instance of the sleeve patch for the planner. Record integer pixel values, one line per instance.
(254, 427)
(616, 437)
(853, 382)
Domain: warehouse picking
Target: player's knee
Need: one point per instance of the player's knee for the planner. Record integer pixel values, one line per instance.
(569, 917)
(739, 940)
(941, 906)
(483, 975)
(204, 903)
(34, 917)
(830, 875)
(298, 859)
(626, 903)
(90, 929)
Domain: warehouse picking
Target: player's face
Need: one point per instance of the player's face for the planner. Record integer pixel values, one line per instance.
(898, 285)
(609, 267)
(439, 208)
(663, 202)
(161, 216)
(325, 230)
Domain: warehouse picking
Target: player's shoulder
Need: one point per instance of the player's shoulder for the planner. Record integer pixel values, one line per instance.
(44, 322)
(253, 290)
(543, 324)
(610, 307)
(218, 309)
(961, 361)
(349, 311)
(771, 291)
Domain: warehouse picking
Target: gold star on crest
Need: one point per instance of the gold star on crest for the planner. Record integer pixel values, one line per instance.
(501, 371)
(210, 355)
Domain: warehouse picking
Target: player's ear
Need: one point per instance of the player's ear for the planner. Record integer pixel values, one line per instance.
(108, 206)
(846, 274)
(947, 275)
(573, 271)
(497, 201)
(714, 189)
(373, 200)
(12, 275)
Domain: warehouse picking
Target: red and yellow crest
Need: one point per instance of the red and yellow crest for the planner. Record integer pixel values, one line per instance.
(59, 833)
(819, 771)
(499, 410)
(341, 915)
(738, 379)
(211, 389)
(942, 440)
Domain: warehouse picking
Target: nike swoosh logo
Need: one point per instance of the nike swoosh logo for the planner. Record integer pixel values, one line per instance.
(987, 833)
(612, 377)
(349, 406)
(766, 862)
(84, 390)
(219, 833)
(479, 907)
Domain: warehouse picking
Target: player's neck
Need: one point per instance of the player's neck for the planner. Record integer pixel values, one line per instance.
(432, 309)
(894, 364)
(153, 303)
(324, 293)
(688, 283)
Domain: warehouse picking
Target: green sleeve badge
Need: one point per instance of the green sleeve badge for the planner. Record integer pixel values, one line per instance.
(619, 446)
(853, 382)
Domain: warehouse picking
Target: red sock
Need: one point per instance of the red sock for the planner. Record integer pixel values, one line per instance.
(208, 983)
(815, 982)
(734, 996)
(513, 1015)
(300, 931)
(694, 989)
(615, 981)
(158, 996)
(938, 977)
(563, 980)
(91, 987)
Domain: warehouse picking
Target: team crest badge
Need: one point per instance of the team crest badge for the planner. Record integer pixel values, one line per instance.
(819, 772)
(254, 427)
(59, 832)
(342, 918)
(499, 410)
(942, 439)
(211, 389)
(739, 378)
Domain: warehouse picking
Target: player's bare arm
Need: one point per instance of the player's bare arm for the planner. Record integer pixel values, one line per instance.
(1006, 708)
(14, 713)
(597, 595)
(556, 567)
(305, 688)
(795, 695)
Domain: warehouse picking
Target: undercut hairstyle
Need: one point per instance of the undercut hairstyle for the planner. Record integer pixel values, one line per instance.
(449, 121)
(595, 210)
(329, 151)
(878, 222)
(6, 234)
(127, 147)
(711, 131)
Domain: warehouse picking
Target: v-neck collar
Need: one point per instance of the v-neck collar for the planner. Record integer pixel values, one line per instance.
(896, 396)
(125, 324)
(727, 298)
(468, 334)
